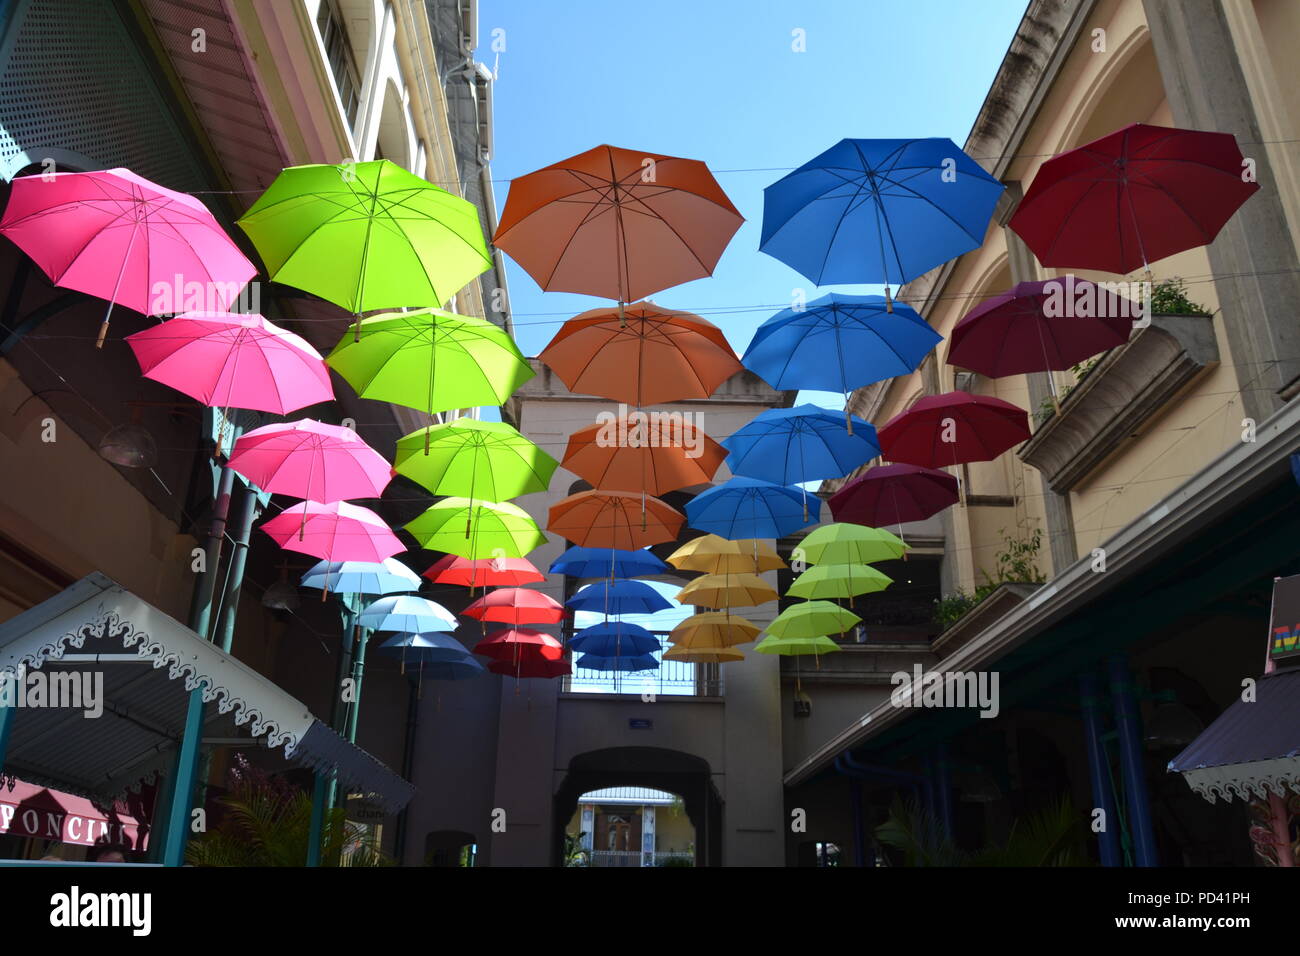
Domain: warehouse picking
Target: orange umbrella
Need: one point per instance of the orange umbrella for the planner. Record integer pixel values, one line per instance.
(649, 356)
(614, 519)
(617, 223)
(657, 452)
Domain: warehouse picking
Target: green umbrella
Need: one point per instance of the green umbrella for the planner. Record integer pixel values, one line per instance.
(367, 236)
(796, 646)
(812, 619)
(486, 460)
(849, 544)
(431, 360)
(838, 581)
(483, 530)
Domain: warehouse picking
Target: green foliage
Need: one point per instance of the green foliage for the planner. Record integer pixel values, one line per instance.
(1169, 297)
(574, 854)
(1017, 563)
(676, 861)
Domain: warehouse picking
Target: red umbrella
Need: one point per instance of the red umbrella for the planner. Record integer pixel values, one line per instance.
(952, 429)
(522, 652)
(1037, 326)
(483, 572)
(1132, 198)
(530, 665)
(516, 606)
(894, 494)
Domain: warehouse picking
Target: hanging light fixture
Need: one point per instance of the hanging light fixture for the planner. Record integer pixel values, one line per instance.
(130, 446)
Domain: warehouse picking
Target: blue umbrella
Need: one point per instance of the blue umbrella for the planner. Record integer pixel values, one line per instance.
(838, 343)
(619, 597)
(579, 562)
(598, 662)
(614, 639)
(389, 576)
(878, 210)
(429, 646)
(804, 443)
(408, 614)
(751, 508)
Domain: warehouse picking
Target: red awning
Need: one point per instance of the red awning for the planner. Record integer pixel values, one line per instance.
(27, 810)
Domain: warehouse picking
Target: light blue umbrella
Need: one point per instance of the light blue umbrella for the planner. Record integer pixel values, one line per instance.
(429, 646)
(580, 562)
(789, 445)
(408, 614)
(389, 576)
(614, 639)
(752, 508)
(619, 597)
(597, 662)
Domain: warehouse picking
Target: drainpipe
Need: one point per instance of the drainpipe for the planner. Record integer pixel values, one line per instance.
(248, 513)
(1098, 771)
(1129, 731)
(358, 674)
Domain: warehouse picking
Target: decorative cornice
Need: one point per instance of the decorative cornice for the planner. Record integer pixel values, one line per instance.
(1246, 780)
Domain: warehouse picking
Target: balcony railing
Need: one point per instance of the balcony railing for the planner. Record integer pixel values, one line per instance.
(633, 858)
(672, 678)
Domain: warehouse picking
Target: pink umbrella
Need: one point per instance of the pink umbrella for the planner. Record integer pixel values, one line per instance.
(336, 532)
(308, 459)
(115, 235)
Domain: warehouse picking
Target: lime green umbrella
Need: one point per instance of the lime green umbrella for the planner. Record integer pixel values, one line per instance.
(367, 236)
(796, 646)
(849, 544)
(476, 530)
(812, 619)
(838, 581)
(431, 360)
(490, 461)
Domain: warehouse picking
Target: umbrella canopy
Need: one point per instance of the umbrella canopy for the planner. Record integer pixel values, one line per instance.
(619, 597)
(648, 356)
(367, 235)
(878, 210)
(425, 646)
(337, 531)
(952, 429)
(407, 614)
(609, 519)
(1036, 327)
(752, 508)
(490, 461)
(713, 629)
(580, 562)
(828, 581)
(714, 555)
(485, 572)
(656, 452)
(617, 663)
(507, 644)
(516, 606)
(117, 236)
(868, 342)
(389, 576)
(849, 544)
(614, 638)
(431, 360)
(617, 223)
(528, 663)
(893, 494)
(309, 459)
(1132, 198)
(796, 646)
(703, 655)
(812, 619)
(461, 668)
(788, 445)
(475, 530)
(727, 590)
(233, 361)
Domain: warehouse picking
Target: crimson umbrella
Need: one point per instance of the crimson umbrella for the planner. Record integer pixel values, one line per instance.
(516, 606)
(1132, 198)
(453, 569)
(523, 652)
(894, 494)
(952, 429)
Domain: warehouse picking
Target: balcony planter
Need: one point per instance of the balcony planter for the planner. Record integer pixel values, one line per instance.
(982, 616)
(1119, 396)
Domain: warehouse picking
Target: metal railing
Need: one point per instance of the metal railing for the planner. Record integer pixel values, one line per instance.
(633, 858)
(672, 678)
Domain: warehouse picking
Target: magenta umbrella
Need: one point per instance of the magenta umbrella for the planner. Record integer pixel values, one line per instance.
(309, 459)
(116, 235)
(894, 494)
(336, 532)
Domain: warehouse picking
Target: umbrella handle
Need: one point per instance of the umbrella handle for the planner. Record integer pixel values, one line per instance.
(889, 301)
(103, 328)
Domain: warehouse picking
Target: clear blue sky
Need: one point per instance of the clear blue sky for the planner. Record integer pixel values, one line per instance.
(718, 80)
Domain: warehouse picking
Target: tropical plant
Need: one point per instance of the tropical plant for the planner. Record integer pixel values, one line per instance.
(575, 854)
(1017, 563)
(1169, 297)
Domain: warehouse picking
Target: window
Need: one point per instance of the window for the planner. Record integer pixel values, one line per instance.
(338, 53)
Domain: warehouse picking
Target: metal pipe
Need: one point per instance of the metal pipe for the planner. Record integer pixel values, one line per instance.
(1128, 730)
(243, 527)
(358, 675)
(1098, 775)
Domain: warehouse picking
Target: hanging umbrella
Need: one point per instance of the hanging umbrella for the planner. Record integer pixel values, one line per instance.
(658, 453)
(612, 638)
(309, 459)
(407, 614)
(580, 562)
(530, 664)
(796, 646)
(809, 619)
(425, 649)
(233, 361)
(878, 210)
(115, 235)
(713, 629)
(839, 343)
(618, 663)
(838, 581)
(490, 461)
(516, 606)
(714, 555)
(752, 508)
(389, 576)
(431, 360)
(619, 597)
(952, 429)
(727, 590)
(617, 223)
(893, 494)
(603, 519)
(703, 655)
(367, 236)
(849, 544)
(462, 668)
(481, 529)
(650, 356)
(485, 572)
(337, 531)
(1132, 198)
(789, 445)
(521, 652)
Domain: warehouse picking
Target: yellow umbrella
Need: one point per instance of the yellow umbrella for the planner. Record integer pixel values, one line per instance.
(703, 655)
(727, 590)
(714, 555)
(714, 629)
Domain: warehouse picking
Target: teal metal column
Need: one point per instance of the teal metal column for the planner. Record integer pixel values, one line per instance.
(338, 712)
(243, 527)
(178, 818)
(358, 674)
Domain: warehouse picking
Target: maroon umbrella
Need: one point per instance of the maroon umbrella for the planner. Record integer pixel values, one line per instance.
(1132, 198)
(1037, 326)
(893, 494)
(952, 429)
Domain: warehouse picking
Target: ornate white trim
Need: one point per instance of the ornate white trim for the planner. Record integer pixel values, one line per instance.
(1246, 780)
